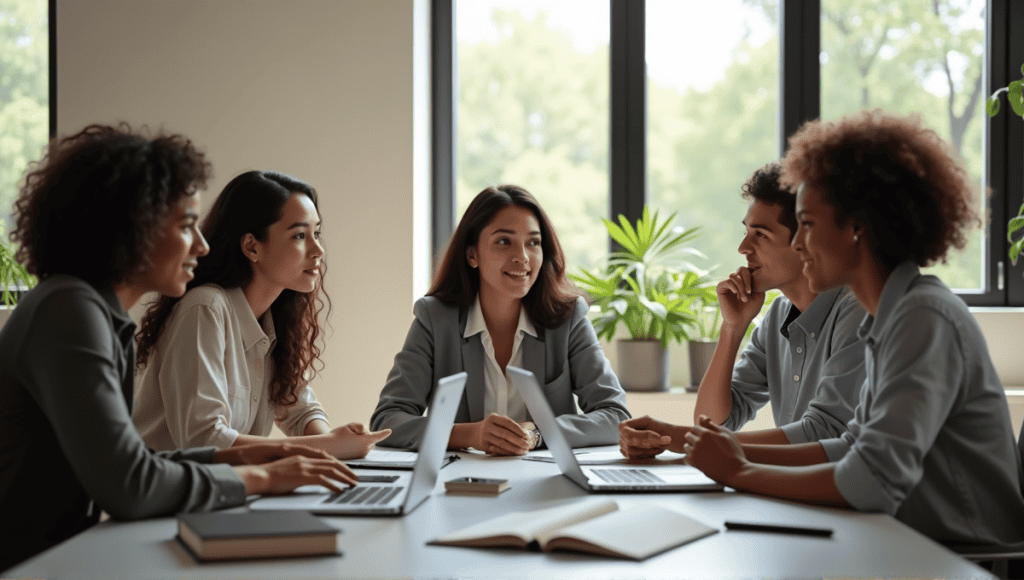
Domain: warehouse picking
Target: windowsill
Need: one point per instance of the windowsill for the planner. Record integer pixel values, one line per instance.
(679, 392)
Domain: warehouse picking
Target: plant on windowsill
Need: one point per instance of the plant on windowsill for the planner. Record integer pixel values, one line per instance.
(1015, 95)
(709, 316)
(13, 276)
(653, 290)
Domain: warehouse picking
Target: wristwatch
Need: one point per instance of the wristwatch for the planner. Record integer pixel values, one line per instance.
(535, 438)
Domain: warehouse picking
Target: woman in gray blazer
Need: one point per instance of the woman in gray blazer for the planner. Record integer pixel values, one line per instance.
(501, 297)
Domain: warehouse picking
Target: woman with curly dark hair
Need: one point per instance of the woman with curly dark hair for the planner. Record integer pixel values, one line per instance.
(878, 197)
(107, 216)
(501, 297)
(220, 365)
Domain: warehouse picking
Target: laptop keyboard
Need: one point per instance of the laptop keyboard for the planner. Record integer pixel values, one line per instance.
(366, 495)
(627, 475)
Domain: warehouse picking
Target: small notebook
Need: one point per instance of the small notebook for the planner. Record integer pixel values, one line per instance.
(227, 536)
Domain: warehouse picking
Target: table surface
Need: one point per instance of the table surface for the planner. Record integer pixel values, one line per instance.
(863, 545)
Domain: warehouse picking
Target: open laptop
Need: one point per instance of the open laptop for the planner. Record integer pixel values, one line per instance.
(395, 493)
(627, 478)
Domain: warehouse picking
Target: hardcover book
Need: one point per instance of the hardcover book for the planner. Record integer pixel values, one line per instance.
(271, 534)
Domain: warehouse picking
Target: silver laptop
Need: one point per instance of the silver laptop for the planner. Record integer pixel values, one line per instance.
(393, 493)
(674, 477)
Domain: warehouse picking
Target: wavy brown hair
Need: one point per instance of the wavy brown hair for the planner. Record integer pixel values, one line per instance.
(891, 173)
(93, 205)
(249, 204)
(551, 299)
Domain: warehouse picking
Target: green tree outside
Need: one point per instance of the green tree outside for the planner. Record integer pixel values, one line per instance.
(24, 93)
(533, 110)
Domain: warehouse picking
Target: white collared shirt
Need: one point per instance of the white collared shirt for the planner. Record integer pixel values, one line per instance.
(500, 396)
(208, 378)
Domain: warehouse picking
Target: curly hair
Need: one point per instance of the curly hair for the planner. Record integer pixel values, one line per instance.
(891, 173)
(763, 185)
(249, 204)
(93, 205)
(551, 299)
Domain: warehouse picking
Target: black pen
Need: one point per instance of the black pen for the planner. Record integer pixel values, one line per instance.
(798, 530)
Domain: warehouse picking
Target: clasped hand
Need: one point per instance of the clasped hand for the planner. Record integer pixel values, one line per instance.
(644, 437)
(714, 450)
(500, 435)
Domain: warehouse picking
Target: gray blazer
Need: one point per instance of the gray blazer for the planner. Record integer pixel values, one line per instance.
(567, 360)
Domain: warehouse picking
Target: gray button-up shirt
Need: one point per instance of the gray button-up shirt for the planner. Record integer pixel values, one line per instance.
(931, 442)
(810, 365)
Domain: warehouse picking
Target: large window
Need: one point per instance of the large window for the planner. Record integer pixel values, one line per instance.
(711, 120)
(532, 109)
(601, 107)
(915, 56)
(24, 94)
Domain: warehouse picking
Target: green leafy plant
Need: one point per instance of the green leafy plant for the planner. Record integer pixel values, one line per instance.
(13, 275)
(649, 286)
(1014, 94)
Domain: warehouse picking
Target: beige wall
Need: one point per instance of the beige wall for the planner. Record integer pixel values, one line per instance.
(326, 90)
(321, 89)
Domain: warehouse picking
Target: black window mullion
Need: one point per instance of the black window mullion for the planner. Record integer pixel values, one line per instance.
(52, 104)
(628, 126)
(799, 65)
(995, 162)
(1012, 194)
(442, 172)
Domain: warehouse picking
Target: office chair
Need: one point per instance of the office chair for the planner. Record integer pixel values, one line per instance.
(1000, 558)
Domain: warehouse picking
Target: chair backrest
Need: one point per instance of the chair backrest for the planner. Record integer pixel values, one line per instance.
(1020, 454)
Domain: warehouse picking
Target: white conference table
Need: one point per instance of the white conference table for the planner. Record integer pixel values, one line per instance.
(863, 545)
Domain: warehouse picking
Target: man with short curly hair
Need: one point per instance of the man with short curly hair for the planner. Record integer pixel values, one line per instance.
(804, 357)
(931, 443)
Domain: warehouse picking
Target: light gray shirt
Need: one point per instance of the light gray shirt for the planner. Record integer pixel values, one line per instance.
(810, 365)
(208, 377)
(931, 442)
(68, 448)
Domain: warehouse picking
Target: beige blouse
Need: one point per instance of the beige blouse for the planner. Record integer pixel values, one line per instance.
(207, 380)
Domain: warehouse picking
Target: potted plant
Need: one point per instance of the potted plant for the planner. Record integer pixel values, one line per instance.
(13, 276)
(701, 349)
(1015, 95)
(653, 290)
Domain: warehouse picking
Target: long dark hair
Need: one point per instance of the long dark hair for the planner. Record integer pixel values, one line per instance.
(93, 205)
(551, 299)
(249, 204)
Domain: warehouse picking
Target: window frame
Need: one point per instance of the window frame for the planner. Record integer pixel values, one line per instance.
(51, 27)
(800, 101)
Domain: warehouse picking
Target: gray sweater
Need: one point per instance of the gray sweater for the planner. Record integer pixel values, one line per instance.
(68, 449)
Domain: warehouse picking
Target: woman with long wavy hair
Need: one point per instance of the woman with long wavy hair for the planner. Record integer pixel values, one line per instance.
(224, 363)
(106, 216)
